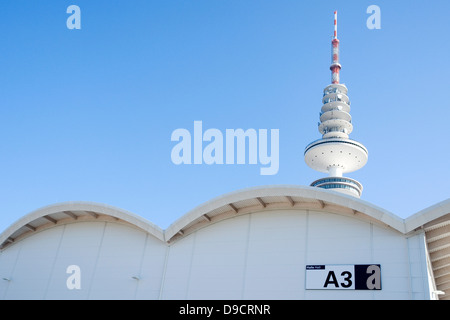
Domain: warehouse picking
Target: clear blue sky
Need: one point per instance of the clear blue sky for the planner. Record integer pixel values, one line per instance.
(88, 114)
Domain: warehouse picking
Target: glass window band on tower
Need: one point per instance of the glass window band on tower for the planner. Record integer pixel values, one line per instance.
(353, 186)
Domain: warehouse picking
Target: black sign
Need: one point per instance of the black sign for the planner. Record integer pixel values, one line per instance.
(344, 277)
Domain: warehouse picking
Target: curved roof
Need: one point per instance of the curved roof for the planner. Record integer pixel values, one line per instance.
(67, 212)
(280, 197)
(223, 207)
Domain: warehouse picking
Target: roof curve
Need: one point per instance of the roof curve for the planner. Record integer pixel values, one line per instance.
(67, 212)
(225, 206)
(280, 197)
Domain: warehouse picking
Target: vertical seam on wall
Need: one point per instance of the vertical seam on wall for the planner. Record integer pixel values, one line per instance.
(306, 252)
(371, 244)
(431, 280)
(409, 268)
(54, 262)
(13, 268)
(423, 260)
(140, 265)
(372, 254)
(163, 278)
(188, 284)
(96, 260)
(247, 243)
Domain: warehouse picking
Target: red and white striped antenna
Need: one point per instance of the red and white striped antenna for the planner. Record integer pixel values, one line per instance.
(335, 65)
(335, 24)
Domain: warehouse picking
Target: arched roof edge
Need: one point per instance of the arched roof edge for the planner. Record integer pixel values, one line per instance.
(312, 193)
(427, 215)
(93, 207)
(315, 194)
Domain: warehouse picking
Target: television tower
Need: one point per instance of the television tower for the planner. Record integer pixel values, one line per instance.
(335, 153)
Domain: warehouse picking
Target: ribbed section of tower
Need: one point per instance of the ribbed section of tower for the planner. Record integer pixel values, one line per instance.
(335, 153)
(335, 119)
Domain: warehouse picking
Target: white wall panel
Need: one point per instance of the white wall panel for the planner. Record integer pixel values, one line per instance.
(79, 246)
(336, 239)
(276, 253)
(418, 266)
(261, 255)
(118, 261)
(34, 265)
(8, 260)
(152, 269)
(108, 255)
(178, 268)
(218, 260)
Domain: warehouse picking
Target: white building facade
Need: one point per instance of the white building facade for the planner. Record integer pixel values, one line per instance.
(274, 242)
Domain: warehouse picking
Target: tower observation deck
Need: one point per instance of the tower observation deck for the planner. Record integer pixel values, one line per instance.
(335, 153)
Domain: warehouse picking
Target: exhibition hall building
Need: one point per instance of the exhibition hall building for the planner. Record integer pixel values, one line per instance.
(272, 242)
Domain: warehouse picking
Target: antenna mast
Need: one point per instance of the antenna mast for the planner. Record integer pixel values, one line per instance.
(335, 65)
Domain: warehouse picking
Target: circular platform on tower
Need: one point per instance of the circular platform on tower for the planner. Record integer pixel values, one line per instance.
(347, 154)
